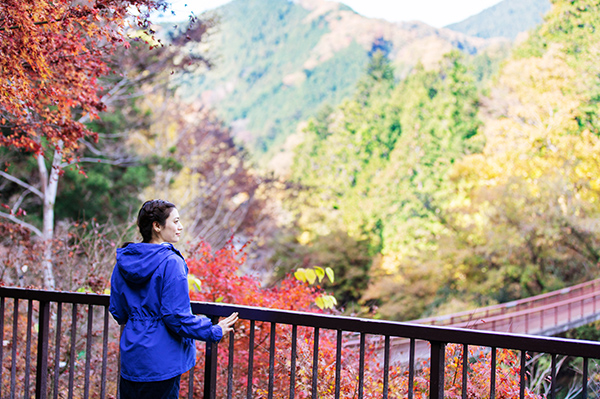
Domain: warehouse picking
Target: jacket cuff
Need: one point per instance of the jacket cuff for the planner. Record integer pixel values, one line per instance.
(217, 332)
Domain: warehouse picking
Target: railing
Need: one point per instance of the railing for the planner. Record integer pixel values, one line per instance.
(272, 353)
(550, 319)
(585, 293)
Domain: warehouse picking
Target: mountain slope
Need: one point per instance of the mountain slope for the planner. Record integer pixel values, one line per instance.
(468, 197)
(506, 19)
(278, 62)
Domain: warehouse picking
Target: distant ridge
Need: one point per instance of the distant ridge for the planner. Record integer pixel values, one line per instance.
(506, 19)
(277, 62)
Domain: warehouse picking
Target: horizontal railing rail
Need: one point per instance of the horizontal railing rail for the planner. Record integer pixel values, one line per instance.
(549, 298)
(401, 329)
(272, 353)
(547, 319)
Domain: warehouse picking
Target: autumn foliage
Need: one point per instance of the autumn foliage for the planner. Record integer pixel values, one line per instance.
(52, 54)
(223, 281)
(216, 277)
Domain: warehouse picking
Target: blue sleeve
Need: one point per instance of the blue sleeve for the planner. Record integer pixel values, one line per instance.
(116, 307)
(175, 306)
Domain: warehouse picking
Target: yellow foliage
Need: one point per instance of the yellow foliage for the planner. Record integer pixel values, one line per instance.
(389, 263)
(538, 133)
(537, 161)
(326, 302)
(304, 238)
(314, 274)
(194, 283)
(310, 276)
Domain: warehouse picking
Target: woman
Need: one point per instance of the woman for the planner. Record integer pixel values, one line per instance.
(149, 294)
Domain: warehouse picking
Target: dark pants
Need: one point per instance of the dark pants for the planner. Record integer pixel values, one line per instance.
(167, 389)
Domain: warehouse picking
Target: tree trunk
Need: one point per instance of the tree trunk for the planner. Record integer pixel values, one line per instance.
(50, 189)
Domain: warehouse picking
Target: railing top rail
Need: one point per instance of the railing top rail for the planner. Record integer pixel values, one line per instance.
(512, 304)
(55, 296)
(444, 334)
(552, 345)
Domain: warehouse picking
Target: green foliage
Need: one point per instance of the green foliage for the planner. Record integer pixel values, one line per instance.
(571, 24)
(589, 332)
(109, 186)
(104, 192)
(523, 208)
(460, 211)
(486, 65)
(573, 27)
(91, 190)
(268, 86)
(276, 62)
(409, 136)
(378, 79)
(282, 108)
(377, 165)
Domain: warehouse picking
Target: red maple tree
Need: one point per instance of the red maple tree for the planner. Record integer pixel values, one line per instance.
(219, 279)
(52, 55)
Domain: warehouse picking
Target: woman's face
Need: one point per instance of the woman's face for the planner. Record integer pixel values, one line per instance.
(171, 231)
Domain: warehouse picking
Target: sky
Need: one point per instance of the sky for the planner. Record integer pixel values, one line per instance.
(437, 13)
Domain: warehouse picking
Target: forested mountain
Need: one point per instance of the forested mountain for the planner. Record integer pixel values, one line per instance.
(428, 187)
(277, 62)
(461, 196)
(505, 19)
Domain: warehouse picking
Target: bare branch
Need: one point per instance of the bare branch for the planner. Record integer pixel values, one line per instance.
(113, 135)
(35, 23)
(119, 162)
(108, 98)
(19, 201)
(90, 147)
(117, 93)
(22, 184)
(14, 219)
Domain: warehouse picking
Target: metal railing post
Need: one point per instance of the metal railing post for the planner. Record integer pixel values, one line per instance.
(210, 368)
(41, 372)
(436, 376)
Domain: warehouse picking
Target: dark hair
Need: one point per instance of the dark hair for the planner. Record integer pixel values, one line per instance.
(153, 211)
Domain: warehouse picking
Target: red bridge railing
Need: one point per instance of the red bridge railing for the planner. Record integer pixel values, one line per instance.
(546, 314)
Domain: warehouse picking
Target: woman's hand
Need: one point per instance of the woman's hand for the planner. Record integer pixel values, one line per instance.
(228, 322)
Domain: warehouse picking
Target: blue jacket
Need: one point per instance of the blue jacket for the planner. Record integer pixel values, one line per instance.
(149, 294)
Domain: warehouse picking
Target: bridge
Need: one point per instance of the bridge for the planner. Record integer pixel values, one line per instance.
(547, 315)
(58, 344)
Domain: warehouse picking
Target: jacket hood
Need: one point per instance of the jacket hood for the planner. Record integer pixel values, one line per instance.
(138, 261)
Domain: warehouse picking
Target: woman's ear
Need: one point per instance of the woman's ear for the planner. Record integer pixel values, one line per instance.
(156, 227)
